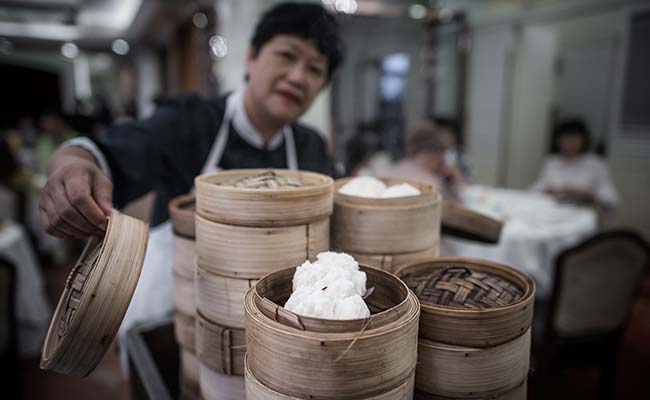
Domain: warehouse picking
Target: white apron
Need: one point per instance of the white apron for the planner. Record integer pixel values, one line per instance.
(152, 300)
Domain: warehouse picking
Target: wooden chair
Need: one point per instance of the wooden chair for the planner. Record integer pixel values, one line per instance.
(596, 285)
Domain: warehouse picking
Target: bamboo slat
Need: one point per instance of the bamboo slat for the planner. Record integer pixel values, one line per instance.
(317, 358)
(464, 372)
(184, 331)
(385, 226)
(249, 252)
(392, 262)
(283, 206)
(95, 297)
(183, 295)
(216, 386)
(220, 348)
(255, 390)
(518, 393)
(183, 255)
(220, 298)
(181, 212)
(474, 327)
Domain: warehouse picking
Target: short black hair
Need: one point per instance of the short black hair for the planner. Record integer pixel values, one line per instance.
(308, 21)
(573, 126)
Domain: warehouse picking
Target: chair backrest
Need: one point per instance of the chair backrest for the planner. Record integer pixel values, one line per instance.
(597, 282)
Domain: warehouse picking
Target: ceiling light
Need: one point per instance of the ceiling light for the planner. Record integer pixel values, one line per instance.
(120, 47)
(218, 46)
(69, 50)
(200, 20)
(417, 11)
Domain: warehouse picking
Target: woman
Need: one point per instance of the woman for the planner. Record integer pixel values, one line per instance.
(293, 53)
(572, 174)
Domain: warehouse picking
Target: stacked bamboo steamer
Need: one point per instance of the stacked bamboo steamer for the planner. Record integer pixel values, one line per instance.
(474, 328)
(292, 357)
(248, 223)
(181, 211)
(386, 233)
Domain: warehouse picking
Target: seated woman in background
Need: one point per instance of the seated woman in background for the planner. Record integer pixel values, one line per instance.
(425, 161)
(572, 173)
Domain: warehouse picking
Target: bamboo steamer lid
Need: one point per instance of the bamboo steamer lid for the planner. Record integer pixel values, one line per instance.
(500, 318)
(217, 201)
(181, 212)
(95, 298)
(464, 223)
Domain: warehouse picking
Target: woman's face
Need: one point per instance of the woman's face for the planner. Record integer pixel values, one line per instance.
(285, 76)
(570, 144)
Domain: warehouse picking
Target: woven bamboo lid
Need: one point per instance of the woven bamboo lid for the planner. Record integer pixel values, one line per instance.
(239, 197)
(470, 302)
(95, 297)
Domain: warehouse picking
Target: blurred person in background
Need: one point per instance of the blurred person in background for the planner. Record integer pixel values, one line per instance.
(425, 161)
(53, 132)
(366, 153)
(572, 173)
(294, 51)
(454, 155)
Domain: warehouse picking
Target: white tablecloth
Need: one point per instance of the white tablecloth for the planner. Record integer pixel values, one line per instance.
(32, 309)
(536, 229)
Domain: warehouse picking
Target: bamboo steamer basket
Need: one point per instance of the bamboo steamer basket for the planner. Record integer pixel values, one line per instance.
(216, 386)
(184, 331)
(183, 295)
(181, 212)
(474, 327)
(255, 390)
(318, 358)
(251, 252)
(464, 372)
(183, 255)
(518, 393)
(284, 206)
(386, 226)
(189, 372)
(220, 348)
(392, 262)
(95, 297)
(220, 298)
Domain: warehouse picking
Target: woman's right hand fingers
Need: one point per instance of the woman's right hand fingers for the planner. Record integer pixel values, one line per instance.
(68, 205)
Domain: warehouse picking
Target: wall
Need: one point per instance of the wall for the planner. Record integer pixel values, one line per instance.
(489, 92)
(515, 144)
